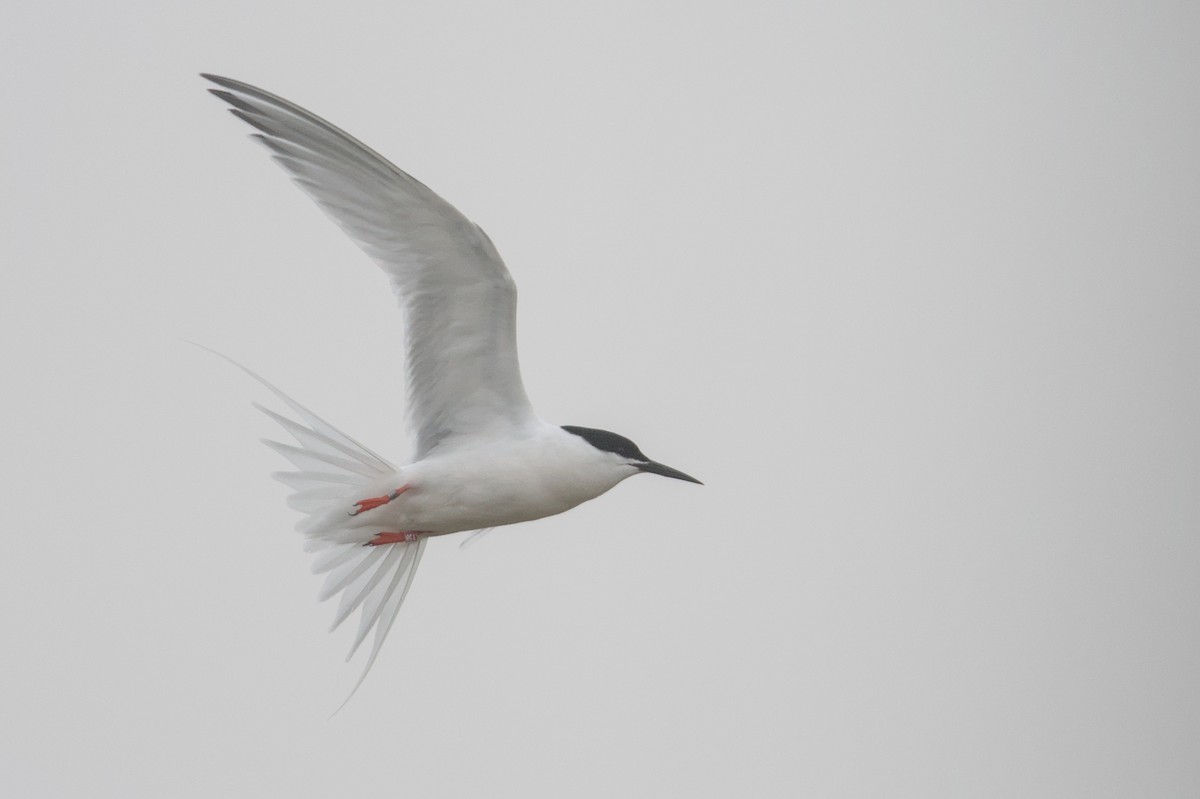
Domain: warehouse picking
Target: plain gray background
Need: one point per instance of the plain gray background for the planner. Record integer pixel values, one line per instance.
(911, 286)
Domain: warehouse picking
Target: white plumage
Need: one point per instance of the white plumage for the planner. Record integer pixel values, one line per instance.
(483, 458)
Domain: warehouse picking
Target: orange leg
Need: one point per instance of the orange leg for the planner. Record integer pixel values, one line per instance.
(375, 502)
(391, 538)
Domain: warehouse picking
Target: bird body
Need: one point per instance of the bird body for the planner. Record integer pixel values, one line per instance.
(541, 472)
(483, 458)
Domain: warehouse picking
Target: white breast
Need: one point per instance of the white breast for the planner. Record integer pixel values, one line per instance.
(504, 481)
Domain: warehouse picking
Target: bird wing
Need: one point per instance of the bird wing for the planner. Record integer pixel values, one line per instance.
(458, 297)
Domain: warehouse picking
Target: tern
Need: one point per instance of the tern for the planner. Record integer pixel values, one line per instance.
(483, 458)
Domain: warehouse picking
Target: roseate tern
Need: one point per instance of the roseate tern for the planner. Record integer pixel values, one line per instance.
(483, 458)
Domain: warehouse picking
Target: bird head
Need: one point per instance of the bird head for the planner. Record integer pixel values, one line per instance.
(622, 450)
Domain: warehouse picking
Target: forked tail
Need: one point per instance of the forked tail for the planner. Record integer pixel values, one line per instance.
(331, 468)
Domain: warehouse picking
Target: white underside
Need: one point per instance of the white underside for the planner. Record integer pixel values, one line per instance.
(488, 484)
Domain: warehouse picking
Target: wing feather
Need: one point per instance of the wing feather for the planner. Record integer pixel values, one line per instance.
(458, 297)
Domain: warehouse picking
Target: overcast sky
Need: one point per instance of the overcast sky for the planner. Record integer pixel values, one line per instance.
(912, 287)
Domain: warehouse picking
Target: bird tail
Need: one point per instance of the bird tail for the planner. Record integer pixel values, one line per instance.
(331, 469)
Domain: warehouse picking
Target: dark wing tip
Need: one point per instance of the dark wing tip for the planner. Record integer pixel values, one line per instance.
(228, 83)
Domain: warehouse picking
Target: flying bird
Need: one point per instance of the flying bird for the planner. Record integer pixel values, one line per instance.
(483, 458)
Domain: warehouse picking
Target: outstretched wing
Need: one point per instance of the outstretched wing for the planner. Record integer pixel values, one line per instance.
(458, 297)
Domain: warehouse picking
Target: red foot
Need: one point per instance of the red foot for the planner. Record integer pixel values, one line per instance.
(375, 502)
(391, 538)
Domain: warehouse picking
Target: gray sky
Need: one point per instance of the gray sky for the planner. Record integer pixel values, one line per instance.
(912, 287)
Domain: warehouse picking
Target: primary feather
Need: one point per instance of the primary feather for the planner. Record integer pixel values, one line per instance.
(458, 297)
